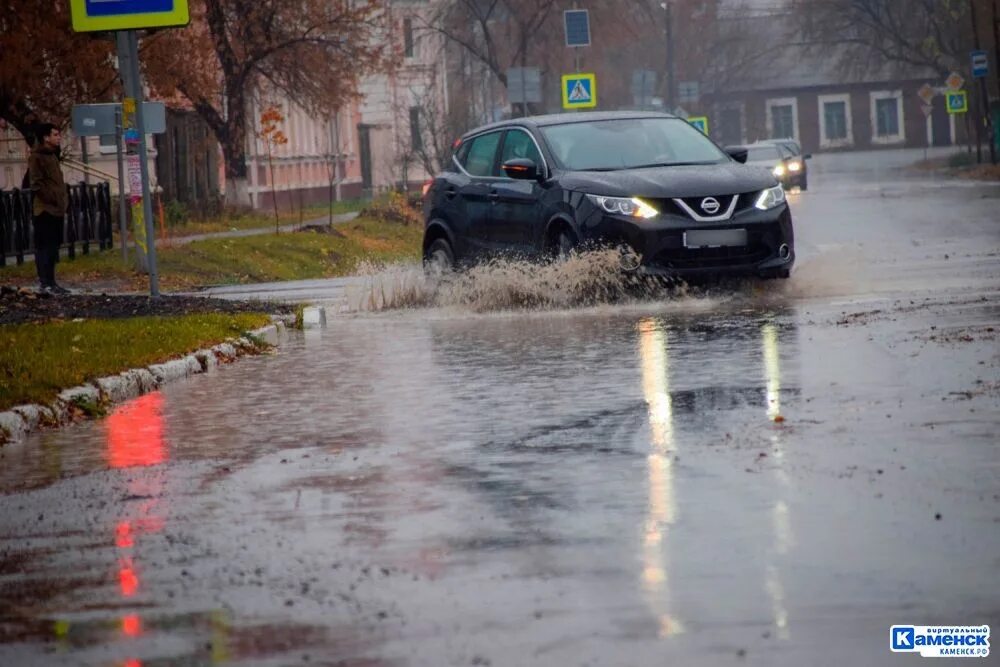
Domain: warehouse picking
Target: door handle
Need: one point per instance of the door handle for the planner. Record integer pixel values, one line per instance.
(450, 193)
(494, 196)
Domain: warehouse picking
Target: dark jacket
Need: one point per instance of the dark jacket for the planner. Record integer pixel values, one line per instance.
(47, 184)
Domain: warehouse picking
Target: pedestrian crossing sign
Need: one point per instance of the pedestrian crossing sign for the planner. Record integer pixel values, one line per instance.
(579, 91)
(957, 101)
(110, 15)
(700, 122)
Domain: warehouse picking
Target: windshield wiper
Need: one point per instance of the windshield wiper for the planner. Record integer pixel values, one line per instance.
(670, 164)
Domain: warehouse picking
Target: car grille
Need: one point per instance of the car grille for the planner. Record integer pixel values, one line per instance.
(669, 206)
(688, 258)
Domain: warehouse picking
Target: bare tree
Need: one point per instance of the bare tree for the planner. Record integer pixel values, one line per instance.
(498, 33)
(925, 34)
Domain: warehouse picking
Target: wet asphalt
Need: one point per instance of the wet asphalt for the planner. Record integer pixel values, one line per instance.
(757, 474)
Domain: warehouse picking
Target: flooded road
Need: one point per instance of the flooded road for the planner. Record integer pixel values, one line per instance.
(765, 474)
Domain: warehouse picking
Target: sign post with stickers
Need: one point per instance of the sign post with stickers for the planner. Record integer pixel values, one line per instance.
(579, 91)
(125, 18)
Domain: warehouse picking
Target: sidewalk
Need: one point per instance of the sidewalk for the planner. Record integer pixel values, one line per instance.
(184, 240)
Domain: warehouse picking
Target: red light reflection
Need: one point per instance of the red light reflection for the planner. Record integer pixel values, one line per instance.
(132, 625)
(127, 578)
(135, 433)
(123, 535)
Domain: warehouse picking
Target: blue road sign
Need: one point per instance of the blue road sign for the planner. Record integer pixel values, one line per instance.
(577, 23)
(119, 7)
(700, 122)
(109, 15)
(579, 91)
(956, 101)
(980, 64)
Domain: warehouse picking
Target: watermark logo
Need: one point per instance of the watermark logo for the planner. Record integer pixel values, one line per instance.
(941, 641)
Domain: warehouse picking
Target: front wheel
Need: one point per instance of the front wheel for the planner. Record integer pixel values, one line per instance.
(564, 244)
(439, 258)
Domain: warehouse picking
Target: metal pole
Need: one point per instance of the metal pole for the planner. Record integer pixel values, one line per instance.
(984, 94)
(85, 158)
(670, 58)
(135, 84)
(524, 92)
(996, 66)
(122, 208)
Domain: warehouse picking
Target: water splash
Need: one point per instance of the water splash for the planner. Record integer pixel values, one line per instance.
(583, 279)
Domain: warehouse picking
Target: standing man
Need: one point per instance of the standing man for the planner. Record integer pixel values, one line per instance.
(50, 201)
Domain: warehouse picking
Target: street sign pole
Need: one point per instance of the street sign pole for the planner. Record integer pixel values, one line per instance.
(133, 90)
(122, 209)
(524, 96)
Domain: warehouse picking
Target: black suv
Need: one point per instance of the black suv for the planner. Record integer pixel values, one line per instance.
(669, 198)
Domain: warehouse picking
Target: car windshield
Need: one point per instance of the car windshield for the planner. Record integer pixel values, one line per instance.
(763, 154)
(629, 143)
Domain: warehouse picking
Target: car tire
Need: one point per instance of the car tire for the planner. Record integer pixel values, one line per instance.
(804, 184)
(564, 244)
(439, 259)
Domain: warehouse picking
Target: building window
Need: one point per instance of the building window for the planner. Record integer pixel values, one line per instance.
(783, 118)
(887, 117)
(887, 123)
(835, 121)
(416, 137)
(408, 37)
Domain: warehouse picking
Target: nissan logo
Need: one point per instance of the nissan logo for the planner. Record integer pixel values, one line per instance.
(710, 205)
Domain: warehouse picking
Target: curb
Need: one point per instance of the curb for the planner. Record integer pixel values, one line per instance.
(94, 397)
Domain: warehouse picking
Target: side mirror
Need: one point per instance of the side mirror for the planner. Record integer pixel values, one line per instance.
(738, 153)
(807, 156)
(522, 169)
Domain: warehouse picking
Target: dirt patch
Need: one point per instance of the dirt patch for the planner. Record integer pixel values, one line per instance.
(18, 306)
(328, 230)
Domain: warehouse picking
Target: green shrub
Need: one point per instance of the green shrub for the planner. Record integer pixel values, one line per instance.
(961, 160)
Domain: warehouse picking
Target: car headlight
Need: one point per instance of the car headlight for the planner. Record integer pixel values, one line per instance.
(794, 166)
(632, 207)
(770, 198)
(779, 170)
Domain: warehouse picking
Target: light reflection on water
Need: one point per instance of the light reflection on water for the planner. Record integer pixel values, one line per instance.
(586, 391)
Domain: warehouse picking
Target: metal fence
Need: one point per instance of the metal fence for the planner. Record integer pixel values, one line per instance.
(88, 220)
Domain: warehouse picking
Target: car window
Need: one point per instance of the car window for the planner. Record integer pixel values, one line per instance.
(786, 151)
(482, 154)
(519, 144)
(629, 143)
(462, 154)
(763, 154)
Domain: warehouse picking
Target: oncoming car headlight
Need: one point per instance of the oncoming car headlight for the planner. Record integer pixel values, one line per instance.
(779, 170)
(770, 198)
(632, 207)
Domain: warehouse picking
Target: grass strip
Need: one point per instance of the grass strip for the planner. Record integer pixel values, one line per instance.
(264, 258)
(39, 360)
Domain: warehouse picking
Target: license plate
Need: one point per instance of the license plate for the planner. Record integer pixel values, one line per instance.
(715, 238)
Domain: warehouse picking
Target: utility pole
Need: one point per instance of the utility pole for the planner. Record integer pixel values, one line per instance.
(996, 69)
(984, 93)
(669, 34)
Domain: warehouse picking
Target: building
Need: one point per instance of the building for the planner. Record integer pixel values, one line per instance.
(377, 143)
(804, 94)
